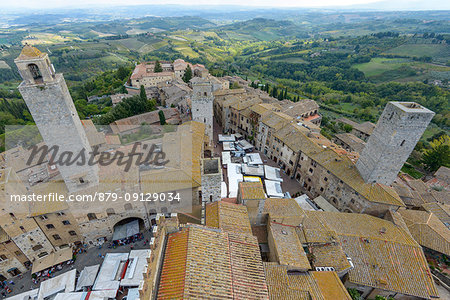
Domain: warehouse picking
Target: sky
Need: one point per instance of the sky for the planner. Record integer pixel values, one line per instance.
(276, 3)
(403, 4)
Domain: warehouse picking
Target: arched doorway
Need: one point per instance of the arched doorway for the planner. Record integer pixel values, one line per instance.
(127, 228)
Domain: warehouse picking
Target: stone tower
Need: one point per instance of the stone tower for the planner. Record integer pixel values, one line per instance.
(211, 179)
(47, 97)
(397, 132)
(202, 104)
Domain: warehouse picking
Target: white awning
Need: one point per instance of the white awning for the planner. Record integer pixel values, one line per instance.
(223, 190)
(273, 188)
(226, 157)
(87, 277)
(226, 138)
(272, 173)
(126, 230)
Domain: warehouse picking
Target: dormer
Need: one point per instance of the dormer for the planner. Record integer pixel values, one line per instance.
(34, 66)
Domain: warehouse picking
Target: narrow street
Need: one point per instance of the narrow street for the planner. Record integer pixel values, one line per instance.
(92, 256)
(288, 185)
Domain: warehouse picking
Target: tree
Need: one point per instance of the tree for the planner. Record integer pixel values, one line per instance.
(438, 155)
(143, 94)
(347, 127)
(162, 118)
(158, 67)
(187, 74)
(122, 73)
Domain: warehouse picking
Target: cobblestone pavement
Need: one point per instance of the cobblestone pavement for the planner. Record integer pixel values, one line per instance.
(288, 185)
(91, 257)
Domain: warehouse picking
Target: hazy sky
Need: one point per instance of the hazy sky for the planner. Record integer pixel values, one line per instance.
(277, 3)
(399, 4)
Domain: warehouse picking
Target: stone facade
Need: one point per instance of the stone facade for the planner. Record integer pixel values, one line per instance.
(61, 228)
(49, 101)
(211, 179)
(397, 132)
(202, 105)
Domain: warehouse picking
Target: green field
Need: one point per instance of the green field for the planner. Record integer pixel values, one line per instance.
(439, 52)
(378, 66)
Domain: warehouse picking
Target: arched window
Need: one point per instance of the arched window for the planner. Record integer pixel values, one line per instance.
(110, 211)
(34, 70)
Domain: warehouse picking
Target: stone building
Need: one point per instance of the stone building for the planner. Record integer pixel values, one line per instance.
(360, 130)
(202, 101)
(48, 99)
(144, 73)
(397, 132)
(349, 142)
(369, 254)
(211, 179)
(12, 260)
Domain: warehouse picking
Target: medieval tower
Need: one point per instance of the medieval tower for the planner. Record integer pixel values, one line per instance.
(46, 94)
(202, 104)
(397, 132)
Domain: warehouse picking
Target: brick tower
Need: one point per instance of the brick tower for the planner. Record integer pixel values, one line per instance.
(46, 94)
(397, 132)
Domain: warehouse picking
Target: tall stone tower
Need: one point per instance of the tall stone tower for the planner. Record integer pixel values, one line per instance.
(48, 99)
(211, 179)
(397, 132)
(202, 104)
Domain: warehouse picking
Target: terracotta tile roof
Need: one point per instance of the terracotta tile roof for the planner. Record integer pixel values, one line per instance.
(276, 120)
(383, 254)
(366, 127)
(40, 208)
(295, 109)
(299, 286)
(352, 141)
(251, 191)
(263, 108)
(288, 248)
(172, 280)
(228, 216)
(443, 173)
(282, 207)
(246, 103)
(344, 169)
(347, 121)
(146, 70)
(171, 114)
(210, 264)
(294, 136)
(183, 149)
(427, 230)
(442, 211)
(30, 52)
(94, 137)
(331, 286)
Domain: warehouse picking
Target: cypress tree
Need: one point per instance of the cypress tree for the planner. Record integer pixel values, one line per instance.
(143, 94)
(162, 118)
(158, 67)
(187, 74)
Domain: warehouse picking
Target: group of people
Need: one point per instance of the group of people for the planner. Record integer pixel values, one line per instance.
(126, 241)
(6, 289)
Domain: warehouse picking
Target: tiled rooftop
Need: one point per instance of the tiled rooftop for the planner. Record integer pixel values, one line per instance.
(299, 286)
(210, 264)
(228, 216)
(251, 191)
(427, 230)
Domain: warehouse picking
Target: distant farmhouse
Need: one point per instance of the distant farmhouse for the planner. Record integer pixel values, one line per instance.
(144, 73)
